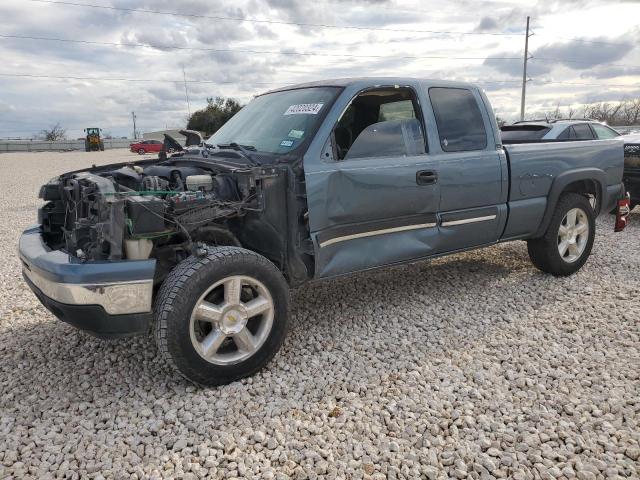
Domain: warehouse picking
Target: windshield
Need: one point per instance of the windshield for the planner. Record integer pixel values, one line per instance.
(277, 122)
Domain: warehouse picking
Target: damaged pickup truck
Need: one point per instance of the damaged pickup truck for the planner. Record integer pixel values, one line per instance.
(304, 183)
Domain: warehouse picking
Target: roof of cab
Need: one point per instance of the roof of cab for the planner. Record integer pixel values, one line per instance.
(364, 82)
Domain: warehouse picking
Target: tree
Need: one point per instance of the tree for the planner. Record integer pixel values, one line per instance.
(217, 112)
(54, 133)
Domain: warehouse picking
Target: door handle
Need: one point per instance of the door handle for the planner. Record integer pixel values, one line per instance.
(426, 177)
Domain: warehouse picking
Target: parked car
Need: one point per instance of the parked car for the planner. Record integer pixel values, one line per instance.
(556, 130)
(308, 182)
(631, 176)
(146, 146)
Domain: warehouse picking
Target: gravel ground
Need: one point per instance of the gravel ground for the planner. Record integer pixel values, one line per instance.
(471, 366)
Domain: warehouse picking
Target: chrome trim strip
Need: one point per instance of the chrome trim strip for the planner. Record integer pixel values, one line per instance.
(372, 233)
(468, 220)
(116, 298)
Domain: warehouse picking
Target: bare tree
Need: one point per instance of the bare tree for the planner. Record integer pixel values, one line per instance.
(556, 114)
(54, 133)
(630, 114)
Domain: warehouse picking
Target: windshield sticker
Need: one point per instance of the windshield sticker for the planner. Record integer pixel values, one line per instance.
(296, 134)
(286, 143)
(304, 109)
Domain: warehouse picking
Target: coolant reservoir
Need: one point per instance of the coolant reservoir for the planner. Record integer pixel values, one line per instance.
(138, 249)
(200, 182)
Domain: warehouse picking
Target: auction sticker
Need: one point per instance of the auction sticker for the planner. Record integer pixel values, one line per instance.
(304, 109)
(296, 133)
(286, 143)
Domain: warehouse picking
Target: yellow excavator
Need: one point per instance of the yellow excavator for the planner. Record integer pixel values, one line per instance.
(92, 141)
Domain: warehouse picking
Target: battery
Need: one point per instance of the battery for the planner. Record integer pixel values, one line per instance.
(146, 215)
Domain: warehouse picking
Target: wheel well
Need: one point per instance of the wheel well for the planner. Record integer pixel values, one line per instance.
(589, 188)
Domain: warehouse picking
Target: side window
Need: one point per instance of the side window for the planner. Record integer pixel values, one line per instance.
(583, 131)
(567, 134)
(603, 132)
(380, 123)
(459, 120)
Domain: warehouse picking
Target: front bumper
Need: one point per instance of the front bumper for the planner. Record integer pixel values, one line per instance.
(107, 298)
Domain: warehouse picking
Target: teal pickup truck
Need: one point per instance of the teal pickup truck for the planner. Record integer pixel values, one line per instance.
(305, 183)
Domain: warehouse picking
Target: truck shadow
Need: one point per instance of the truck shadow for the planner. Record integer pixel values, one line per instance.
(331, 322)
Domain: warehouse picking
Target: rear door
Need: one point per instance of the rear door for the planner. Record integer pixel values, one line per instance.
(472, 170)
(373, 197)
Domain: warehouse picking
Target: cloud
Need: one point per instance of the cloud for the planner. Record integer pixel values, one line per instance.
(487, 24)
(579, 55)
(32, 104)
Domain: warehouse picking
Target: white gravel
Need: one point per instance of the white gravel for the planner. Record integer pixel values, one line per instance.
(471, 366)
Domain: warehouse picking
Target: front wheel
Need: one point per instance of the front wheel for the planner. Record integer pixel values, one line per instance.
(141, 151)
(567, 243)
(223, 316)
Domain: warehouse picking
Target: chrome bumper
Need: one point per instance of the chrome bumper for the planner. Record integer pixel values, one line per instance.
(117, 298)
(120, 287)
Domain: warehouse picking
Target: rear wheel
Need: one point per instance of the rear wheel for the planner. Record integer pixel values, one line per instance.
(223, 316)
(567, 243)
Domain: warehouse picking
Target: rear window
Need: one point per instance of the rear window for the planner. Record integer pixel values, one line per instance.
(523, 133)
(458, 118)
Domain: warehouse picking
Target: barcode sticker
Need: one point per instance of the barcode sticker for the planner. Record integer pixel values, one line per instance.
(304, 109)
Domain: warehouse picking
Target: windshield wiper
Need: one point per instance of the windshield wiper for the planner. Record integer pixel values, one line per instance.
(244, 150)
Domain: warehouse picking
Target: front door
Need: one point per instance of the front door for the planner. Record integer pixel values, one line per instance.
(374, 200)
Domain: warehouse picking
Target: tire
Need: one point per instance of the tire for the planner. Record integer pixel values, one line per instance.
(545, 252)
(183, 337)
(141, 151)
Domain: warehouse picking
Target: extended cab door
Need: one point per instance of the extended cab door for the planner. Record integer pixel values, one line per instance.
(373, 192)
(472, 169)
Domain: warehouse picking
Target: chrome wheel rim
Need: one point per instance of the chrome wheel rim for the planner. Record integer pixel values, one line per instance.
(573, 235)
(231, 320)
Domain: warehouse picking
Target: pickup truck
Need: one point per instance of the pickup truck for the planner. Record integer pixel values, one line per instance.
(305, 183)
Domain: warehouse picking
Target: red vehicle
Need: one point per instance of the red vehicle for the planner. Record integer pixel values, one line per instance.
(146, 146)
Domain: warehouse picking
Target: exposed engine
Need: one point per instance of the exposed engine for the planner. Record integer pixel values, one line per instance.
(130, 211)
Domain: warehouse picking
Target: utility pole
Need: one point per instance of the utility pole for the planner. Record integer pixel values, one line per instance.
(186, 92)
(524, 71)
(135, 134)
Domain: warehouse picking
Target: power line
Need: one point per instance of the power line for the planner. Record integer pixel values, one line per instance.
(120, 79)
(237, 50)
(583, 40)
(217, 82)
(276, 22)
(205, 81)
(564, 60)
(626, 85)
(337, 55)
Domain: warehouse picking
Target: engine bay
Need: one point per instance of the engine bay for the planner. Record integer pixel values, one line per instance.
(128, 211)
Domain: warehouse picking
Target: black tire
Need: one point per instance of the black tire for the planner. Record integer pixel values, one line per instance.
(181, 291)
(544, 251)
(141, 151)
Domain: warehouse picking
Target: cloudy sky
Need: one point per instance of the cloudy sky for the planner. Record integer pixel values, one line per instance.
(583, 51)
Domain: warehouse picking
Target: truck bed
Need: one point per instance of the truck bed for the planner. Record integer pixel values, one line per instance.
(537, 169)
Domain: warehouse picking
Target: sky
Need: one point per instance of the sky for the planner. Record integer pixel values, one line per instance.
(90, 66)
